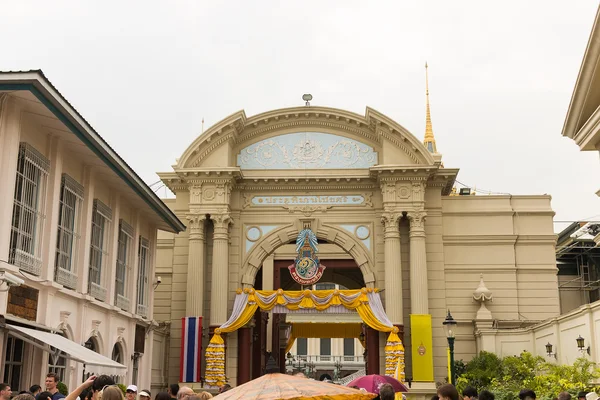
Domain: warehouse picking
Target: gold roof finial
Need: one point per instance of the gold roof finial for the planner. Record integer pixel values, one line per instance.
(429, 141)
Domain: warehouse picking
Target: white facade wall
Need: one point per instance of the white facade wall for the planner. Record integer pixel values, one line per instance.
(81, 315)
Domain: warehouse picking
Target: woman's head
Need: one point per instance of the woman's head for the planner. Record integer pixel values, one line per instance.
(111, 393)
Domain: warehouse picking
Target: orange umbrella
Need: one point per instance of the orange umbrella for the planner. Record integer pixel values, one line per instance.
(286, 387)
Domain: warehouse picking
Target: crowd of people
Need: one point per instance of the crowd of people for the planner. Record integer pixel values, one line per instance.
(449, 392)
(102, 387)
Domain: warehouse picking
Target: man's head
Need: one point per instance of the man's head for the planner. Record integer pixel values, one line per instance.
(386, 392)
(173, 389)
(564, 396)
(581, 395)
(44, 396)
(131, 392)
(486, 395)
(447, 392)
(5, 391)
(527, 394)
(99, 383)
(469, 393)
(35, 390)
(225, 388)
(51, 382)
(183, 392)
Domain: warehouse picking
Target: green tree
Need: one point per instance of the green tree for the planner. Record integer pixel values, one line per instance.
(507, 376)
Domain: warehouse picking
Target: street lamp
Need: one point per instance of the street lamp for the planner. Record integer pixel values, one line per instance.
(450, 326)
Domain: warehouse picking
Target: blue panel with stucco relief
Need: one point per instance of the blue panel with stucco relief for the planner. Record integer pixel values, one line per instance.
(254, 233)
(310, 150)
(361, 232)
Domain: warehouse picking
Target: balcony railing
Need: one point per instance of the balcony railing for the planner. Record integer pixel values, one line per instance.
(97, 291)
(122, 302)
(326, 359)
(66, 278)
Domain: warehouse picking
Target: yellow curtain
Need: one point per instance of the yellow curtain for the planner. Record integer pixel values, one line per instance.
(322, 330)
(319, 300)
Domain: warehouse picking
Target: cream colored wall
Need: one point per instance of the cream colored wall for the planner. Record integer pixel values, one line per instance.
(561, 332)
(508, 239)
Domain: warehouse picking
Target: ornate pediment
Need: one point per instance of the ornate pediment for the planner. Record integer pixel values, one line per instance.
(305, 138)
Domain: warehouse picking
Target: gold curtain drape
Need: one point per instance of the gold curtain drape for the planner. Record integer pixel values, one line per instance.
(319, 300)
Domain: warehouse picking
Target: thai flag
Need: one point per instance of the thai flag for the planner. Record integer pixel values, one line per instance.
(191, 349)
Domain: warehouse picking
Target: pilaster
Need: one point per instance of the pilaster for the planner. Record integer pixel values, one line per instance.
(393, 267)
(220, 268)
(195, 272)
(419, 294)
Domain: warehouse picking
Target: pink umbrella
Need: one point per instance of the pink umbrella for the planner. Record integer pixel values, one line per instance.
(372, 383)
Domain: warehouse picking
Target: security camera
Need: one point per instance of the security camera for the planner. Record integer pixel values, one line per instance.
(158, 280)
(10, 279)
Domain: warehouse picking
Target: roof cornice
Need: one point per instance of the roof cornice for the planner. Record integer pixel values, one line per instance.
(37, 83)
(586, 74)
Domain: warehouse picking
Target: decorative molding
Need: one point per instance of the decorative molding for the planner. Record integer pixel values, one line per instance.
(308, 210)
(312, 150)
(95, 331)
(120, 336)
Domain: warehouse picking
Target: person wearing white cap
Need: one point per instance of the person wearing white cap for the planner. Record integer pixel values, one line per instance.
(591, 396)
(145, 395)
(131, 392)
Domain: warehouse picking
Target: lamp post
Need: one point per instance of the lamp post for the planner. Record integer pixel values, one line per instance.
(450, 326)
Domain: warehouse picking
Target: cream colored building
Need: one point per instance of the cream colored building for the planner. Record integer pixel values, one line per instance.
(380, 202)
(582, 123)
(78, 227)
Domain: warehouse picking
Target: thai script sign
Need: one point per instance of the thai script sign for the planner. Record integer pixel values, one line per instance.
(352, 200)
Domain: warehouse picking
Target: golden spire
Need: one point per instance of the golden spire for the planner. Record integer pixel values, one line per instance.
(429, 141)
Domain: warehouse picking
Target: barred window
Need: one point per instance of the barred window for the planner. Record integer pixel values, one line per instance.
(101, 218)
(123, 265)
(67, 243)
(28, 209)
(143, 280)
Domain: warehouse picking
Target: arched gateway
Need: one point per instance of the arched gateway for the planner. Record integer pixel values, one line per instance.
(364, 186)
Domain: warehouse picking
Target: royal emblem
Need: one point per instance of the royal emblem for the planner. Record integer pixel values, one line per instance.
(422, 350)
(307, 269)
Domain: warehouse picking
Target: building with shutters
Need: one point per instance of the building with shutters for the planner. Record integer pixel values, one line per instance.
(78, 227)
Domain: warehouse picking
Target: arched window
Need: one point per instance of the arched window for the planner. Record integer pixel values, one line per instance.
(117, 355)
(92, 344)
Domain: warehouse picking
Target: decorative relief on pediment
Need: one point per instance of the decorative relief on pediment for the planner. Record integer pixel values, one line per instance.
(307, 150)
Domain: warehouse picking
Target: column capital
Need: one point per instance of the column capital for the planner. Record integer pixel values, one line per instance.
(390, 221)
(417, 222)
(221, 223)
(196, 226)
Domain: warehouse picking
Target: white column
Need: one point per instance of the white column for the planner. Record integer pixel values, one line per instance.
(268, 267)
(220, 269)
(10, 128)
(194, 304)
(393, 267)
(419, 294)
(110, 275)
(52, 209)
(83, 268)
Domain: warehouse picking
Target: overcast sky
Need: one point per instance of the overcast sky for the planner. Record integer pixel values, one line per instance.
(145, 73)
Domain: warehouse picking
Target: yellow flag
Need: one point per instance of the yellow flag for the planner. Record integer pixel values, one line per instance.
(422, 347)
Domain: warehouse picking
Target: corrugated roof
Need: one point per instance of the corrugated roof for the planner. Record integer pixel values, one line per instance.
(37, 82)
